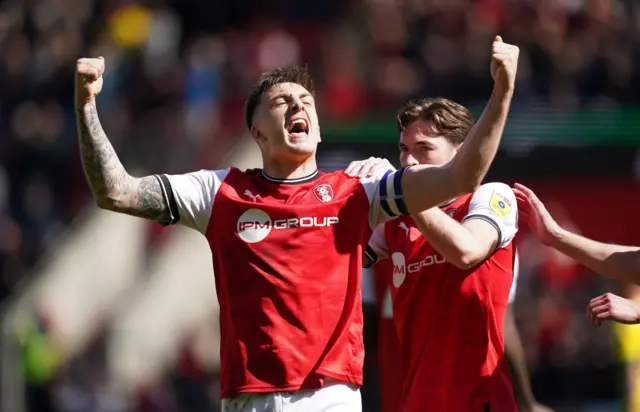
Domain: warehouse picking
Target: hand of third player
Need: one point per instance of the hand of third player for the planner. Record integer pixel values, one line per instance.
(610, 307)
(533, 213)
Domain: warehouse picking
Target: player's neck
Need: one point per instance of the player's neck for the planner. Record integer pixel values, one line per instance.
(289, 170)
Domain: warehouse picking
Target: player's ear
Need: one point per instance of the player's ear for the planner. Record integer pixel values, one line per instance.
(256, 134)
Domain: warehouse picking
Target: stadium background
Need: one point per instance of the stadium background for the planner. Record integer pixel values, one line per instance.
(102, 312)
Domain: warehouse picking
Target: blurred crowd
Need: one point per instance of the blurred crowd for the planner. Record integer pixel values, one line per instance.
(178, 72)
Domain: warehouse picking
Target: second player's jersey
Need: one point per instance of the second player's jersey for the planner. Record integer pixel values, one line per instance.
(287, 258)
(449, 321)
(389, 359)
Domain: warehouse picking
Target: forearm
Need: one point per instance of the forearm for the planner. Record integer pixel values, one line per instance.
(616, 261)
(112, 187)
(517, 363)
(452, 240)
(472, 162)
(104, 172)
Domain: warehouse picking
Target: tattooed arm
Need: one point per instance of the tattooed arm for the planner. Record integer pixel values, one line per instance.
(112, 187)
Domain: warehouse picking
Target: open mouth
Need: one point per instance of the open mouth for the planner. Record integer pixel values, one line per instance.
(298, 128)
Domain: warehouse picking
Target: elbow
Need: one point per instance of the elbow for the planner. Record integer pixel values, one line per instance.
(105, 202)
(114, 198)
(466, 186)
(465, 181)
(469, 183)
(474, 184)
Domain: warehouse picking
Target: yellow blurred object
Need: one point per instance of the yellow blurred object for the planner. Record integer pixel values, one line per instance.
(628, 337)
(629, 341)
(130, 25)
(41, 357)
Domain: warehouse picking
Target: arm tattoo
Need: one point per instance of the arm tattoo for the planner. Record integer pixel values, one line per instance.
(149, 201)
(108, 178)
(105, 174)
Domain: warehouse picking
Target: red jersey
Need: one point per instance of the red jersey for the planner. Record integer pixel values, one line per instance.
(449, 321)
(287, 258)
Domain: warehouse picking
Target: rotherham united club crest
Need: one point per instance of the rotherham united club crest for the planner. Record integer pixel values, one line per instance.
(323, 193)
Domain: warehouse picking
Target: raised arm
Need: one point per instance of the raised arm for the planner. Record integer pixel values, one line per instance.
(616, 261)
(112, 187)
(427, 186)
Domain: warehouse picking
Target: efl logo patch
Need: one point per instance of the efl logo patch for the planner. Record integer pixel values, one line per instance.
(500, 204)
(323, 193)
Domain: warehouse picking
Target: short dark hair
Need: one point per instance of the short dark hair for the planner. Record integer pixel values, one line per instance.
(451, 119)
(299, 75)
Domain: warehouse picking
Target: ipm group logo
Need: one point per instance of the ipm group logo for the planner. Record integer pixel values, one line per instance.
(399, 268)
(255, 225)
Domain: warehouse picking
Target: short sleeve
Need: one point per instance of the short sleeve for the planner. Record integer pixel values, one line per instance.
(377, 249)
(384, 191)
(514, 284)
(190, 196)
(496, 204)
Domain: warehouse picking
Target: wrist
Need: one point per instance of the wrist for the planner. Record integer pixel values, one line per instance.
(557, 235)
(503, 92)
(84, 102)
(84, 105)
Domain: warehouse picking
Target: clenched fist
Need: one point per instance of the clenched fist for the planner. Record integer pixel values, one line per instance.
(88, 79)
(504, 64)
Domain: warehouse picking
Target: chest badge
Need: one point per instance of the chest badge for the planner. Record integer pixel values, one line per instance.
(323, 193)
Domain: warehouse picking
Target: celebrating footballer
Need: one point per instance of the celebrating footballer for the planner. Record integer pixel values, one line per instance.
(287, 240)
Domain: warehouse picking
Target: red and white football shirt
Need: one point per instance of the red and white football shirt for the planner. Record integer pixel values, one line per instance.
(287, 258)
(449, 321)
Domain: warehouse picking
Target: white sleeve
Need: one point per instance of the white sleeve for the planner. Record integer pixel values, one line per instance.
(384, 191)
(514, 284)
(377, 249)
(496, 204)
(190, 196)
